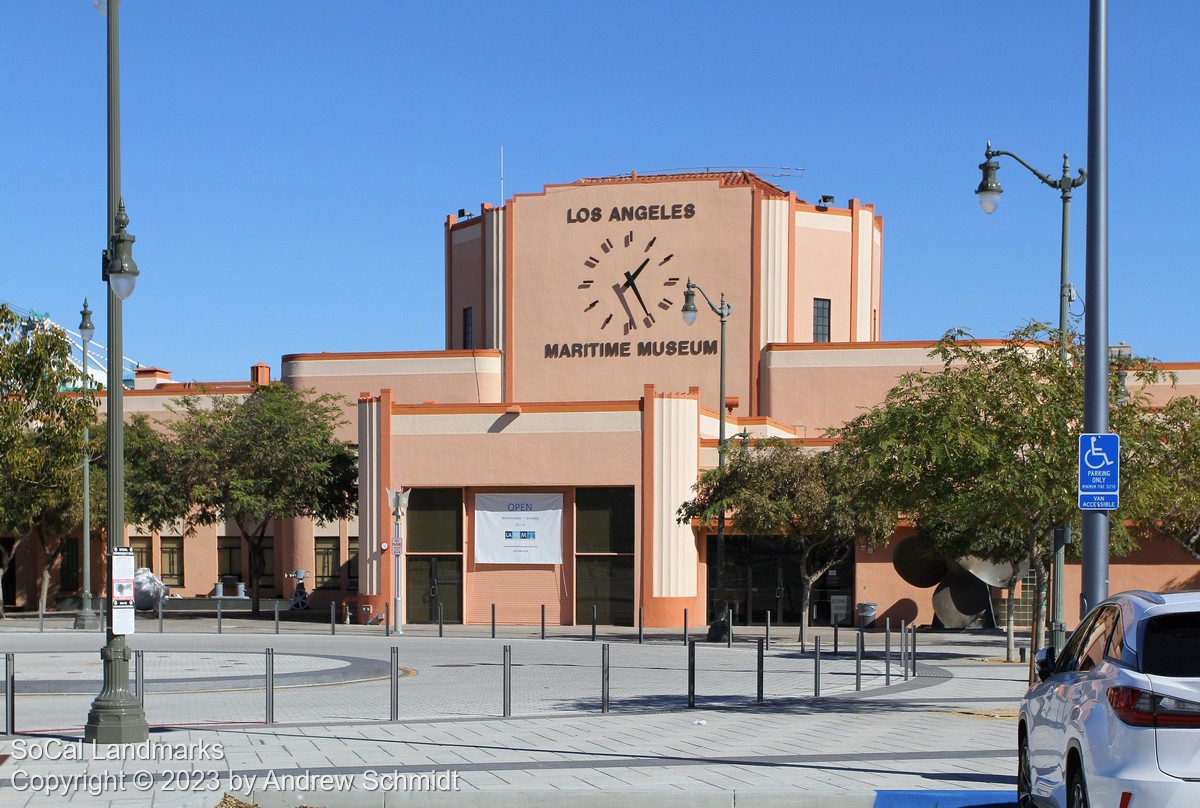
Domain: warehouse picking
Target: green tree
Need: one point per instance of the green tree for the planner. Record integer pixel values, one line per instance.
(985, 448)
(41, 434)
(1170, 507)
(250, 460)
(816, 500)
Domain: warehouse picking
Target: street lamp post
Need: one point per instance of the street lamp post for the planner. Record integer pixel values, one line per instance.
(86, 619)
(989, 191)
(719, 629)
(116, 717)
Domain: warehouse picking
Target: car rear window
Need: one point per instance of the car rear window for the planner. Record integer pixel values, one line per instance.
(1172, 645)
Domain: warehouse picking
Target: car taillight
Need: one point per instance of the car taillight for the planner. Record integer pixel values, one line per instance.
(1141, 708)
(1132, 706)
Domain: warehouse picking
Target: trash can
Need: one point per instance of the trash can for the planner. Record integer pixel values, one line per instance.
(866, 615)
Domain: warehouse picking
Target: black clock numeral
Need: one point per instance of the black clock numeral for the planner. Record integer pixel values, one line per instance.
(607, 245)
(630, 325)
(607, 320)
(650, 243)
(592, 305)
(665, 260)
(666, 303)
(629, 238)
(587, 284)
(649, 321)
(591, 262)
(670, 281)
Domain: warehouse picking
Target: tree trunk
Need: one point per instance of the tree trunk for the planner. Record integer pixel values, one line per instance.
(48, 559)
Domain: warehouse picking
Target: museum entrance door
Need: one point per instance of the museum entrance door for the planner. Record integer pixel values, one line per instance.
(434, 580)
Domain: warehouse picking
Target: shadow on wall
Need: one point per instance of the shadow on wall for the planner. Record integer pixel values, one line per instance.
(905, 610)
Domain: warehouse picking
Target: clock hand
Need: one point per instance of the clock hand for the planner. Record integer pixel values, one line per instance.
(630, 278)
(638, 295)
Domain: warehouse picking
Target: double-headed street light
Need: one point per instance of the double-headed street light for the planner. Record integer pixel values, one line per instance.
(116, 717)
(721, 617)
(86, 619)
(989, 191)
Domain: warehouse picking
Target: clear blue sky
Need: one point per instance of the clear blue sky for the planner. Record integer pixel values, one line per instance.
(288, 166)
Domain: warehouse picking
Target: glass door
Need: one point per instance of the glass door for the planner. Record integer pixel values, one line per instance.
(434, 581)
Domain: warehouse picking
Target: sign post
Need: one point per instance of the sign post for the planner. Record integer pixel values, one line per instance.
(1099, 471)
(122, 590)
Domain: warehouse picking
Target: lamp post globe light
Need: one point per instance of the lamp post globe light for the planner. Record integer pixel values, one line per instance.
(86, 619)
(719, 626)
(115, 717)
(988, 193)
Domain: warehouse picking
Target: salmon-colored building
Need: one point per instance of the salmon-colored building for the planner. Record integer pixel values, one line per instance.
(549, 446)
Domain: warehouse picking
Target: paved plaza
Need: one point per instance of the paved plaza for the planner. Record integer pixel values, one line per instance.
(872, 737)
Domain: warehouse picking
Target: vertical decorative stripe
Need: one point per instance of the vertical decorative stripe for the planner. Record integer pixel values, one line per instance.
(865, 270)
(369, 561)
(676, 458)
(776, 293)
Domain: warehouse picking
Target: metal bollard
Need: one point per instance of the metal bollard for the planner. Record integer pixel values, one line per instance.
(398, 616)
(270, 685)
(816, 666)
(768, 637)
(507, 681)
(835, 637)
(729, 633)
(387, 619)
(493, 621)
(41, 615)
(691, 674)
(10, 694)
(593, 622)
(912, 653)
(139, 678)
(904, 648)
(760, 670)
(858, 655)
(543, 621)
(640, 624)
(104, 616)
(333, 617)
(441, 619)
(395, 696)
(803, 638)
(604, 678)
(685, 626)
(276, 617)
(218, 617)
(160, 620)
(887, 654)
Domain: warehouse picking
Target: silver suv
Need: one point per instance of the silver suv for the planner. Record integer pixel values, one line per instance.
(1115, 721)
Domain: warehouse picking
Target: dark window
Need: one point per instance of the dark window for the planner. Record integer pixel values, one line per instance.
(172, 561)
(604, 520)
(434, 521)
(607, 583)
(468, 340)
(352, 562)
(68, 565)
(1171, 646)
(268, 556)
(820, 319)
(229, 556)
(141, 552)
(328, 571)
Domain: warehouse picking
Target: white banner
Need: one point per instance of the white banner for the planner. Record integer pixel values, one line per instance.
(518, 528)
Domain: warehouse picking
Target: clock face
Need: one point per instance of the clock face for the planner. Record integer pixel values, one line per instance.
(629, 282)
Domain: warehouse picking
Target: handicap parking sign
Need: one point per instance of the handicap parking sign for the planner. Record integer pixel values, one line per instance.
(1099, 471)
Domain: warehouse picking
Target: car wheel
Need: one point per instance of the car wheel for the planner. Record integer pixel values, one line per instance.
(1024, 781)
(1077, 796)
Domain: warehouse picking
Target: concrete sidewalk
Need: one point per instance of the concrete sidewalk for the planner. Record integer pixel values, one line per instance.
(948, 734)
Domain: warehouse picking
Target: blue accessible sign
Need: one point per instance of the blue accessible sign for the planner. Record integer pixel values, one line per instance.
(1099, 472)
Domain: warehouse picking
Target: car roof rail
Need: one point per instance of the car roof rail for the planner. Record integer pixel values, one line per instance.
(1152, 597)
